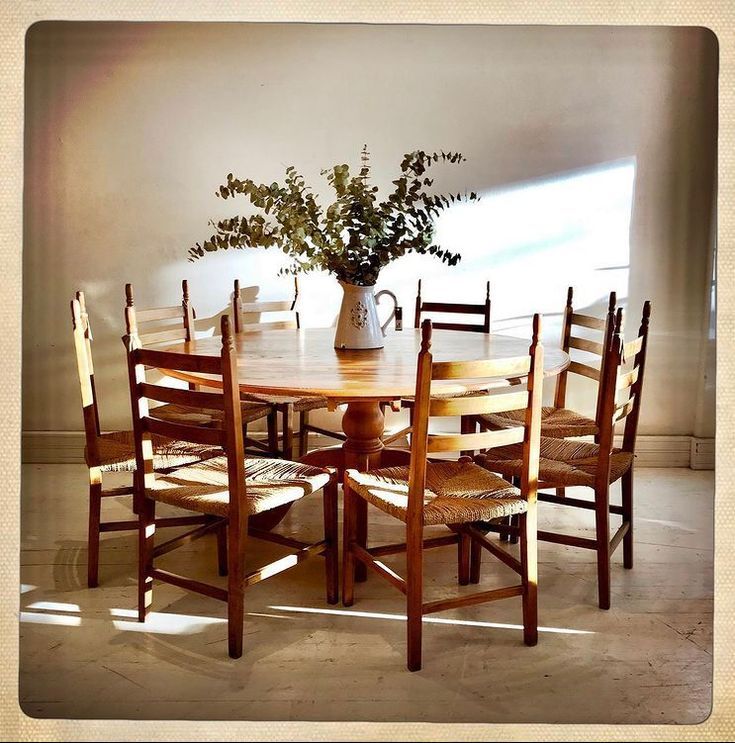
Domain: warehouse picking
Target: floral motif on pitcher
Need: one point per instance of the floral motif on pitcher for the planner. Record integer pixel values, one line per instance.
(359, 315)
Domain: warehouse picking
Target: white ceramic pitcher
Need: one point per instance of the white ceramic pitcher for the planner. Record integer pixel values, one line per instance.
(358, 325)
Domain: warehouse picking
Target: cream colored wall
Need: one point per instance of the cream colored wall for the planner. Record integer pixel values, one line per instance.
(131, 127)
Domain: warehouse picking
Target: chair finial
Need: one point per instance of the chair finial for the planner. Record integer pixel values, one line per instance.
(570, 294)
(76, 313)
(487, 290)
(612, 302)
(646, 312)
(237, 288)
(129, 295)
(226, 332)
(536, 328)
(426, 335)
(295, 287)
(619, 321)
(185, 290)
(419, 289)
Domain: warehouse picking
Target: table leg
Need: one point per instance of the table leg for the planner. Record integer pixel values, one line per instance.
(363, 424)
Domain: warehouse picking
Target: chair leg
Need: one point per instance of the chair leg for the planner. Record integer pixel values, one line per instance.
(303, 433)
(463, 559)
(414, 596)
(93, 535)
(146, 535)
(627, 487)
(529, 574)
(602, 526)
(361, 536)
(235, 589)
(331, 556)
(561, 492)
(287, 413)
(467, 425)
(273, 432)
(475, 561)
(348, 537)
(222, 549)
(514, 521)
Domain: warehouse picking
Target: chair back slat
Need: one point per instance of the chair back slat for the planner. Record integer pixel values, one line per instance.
(163, 336)
(207, 436)
(584, 344)
(584, 370)
(279, 306)
(422, 308)
(446, 442)
(618, 378)
(158, 313)
(178, 361)
(516, 366)
(477, 405)
(157, 325)
(247, 325)
(632, 348)
(570, 341)
(627, 379)
(624, 409)
(186, 398)
(259, 327)
(587, 321)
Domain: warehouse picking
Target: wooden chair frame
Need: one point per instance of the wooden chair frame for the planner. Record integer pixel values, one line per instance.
(184, 333)
(286, 408)
(467, 424)
(569, 341)
(614, 380)
(82, 333)
(234, 531)
(469, 540)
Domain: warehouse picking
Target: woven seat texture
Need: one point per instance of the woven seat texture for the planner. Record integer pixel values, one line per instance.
(456, 492)
(562, 462)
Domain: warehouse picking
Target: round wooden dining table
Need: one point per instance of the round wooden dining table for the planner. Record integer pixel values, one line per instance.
(304, 362)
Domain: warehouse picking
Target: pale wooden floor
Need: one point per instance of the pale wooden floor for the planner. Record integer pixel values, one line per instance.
(647, 660)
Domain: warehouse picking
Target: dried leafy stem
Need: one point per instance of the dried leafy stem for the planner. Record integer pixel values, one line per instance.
(356, 236)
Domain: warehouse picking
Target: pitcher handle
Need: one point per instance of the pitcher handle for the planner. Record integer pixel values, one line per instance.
(395, 305)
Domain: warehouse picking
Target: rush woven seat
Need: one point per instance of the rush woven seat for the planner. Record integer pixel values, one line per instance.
(117, 452)
(269, 483)
(558, 423)
(561, 463)
(299, 404)
(251, 411)
(456, 493)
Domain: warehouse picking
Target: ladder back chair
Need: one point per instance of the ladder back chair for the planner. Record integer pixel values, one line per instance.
(112, 451)
(566, 462)
(454, 493)
(226, 490)
(423, 308)
(286, 405)
(168, 325)
(558, 421)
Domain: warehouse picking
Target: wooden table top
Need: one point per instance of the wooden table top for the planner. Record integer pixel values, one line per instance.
(297, 362)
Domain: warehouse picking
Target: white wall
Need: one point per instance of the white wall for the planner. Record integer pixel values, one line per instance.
(593, 149)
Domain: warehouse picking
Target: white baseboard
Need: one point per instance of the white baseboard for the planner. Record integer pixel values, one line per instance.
(57, 447)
